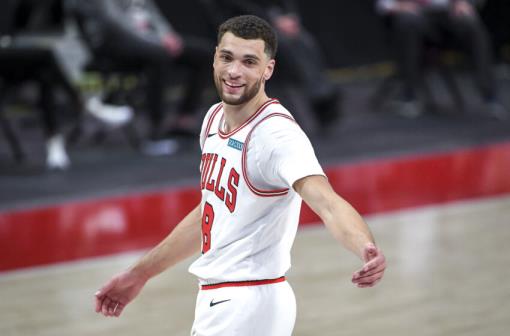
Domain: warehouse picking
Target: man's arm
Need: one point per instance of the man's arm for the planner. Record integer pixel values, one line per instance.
(181, 243)
(346, 225)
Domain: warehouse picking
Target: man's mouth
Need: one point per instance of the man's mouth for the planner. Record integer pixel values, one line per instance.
(232, 88)
(233, 85)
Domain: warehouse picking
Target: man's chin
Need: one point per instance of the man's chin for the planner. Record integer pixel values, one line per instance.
(232, 100)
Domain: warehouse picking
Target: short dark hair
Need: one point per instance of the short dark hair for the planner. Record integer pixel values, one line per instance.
(251, 27)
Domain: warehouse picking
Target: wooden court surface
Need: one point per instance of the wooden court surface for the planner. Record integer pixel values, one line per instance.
(448, 274)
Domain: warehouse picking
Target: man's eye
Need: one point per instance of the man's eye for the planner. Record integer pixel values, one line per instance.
(225, 57)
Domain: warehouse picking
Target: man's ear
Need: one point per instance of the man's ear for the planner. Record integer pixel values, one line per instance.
(269, 69)
(214, 56)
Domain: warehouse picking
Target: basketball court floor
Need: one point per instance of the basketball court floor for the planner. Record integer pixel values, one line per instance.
(435, 191)
(447, 275)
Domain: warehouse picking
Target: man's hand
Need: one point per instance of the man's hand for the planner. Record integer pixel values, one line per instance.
(118, 292)
(373, 270)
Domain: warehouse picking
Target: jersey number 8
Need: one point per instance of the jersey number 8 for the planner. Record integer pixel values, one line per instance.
(207, 222)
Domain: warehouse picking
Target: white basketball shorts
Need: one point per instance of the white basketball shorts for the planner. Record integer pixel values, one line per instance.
(245, 310)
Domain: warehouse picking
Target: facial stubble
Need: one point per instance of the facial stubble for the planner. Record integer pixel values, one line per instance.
(244, 98)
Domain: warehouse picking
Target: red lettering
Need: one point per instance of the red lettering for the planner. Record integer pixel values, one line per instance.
(205, 169)
(210, 183)
(233, 183)
(202, 162)
(226, 194)
(207, 222)
(220, 192)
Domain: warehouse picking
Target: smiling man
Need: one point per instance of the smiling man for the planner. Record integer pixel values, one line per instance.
(257, 166)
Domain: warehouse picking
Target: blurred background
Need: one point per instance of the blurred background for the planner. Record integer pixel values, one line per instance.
(407, 104)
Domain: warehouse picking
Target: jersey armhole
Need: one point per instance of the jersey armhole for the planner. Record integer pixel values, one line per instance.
(253, 189)
(209, 124)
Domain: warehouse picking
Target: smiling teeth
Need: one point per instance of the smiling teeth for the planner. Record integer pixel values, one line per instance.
(233, 85)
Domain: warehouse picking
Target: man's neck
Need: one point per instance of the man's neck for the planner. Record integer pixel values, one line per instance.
(236, 115)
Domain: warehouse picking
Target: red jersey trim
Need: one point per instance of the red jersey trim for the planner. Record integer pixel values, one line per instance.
(224, 135)
(253, 189)
(243, 283)
(210, 121)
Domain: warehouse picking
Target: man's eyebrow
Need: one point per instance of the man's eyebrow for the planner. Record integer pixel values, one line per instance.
(251, 56)
(247, 56)
(226, 51)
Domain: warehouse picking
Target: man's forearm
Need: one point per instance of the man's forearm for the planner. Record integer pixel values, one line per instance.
(338, 215)
(348, 227)
(181, 243)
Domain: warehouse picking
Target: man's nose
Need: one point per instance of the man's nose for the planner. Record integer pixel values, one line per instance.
(234, 69)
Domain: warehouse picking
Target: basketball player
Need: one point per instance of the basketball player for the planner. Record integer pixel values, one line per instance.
(257, 165)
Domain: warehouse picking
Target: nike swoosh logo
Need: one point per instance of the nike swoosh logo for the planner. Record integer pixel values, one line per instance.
(212, 304)
(210, 135)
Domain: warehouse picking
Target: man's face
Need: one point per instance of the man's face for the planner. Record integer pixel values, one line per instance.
(241, 67)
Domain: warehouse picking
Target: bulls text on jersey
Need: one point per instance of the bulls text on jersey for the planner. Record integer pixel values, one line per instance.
(215, 183)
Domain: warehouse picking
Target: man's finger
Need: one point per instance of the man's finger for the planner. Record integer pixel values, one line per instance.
(117, 311)
(99, 302)
(105, 305)
(371, 283)
(368, 279)
(367, 285)
(112, 307)
(106, 288)
(374, 267)
(358, 277)
(374, 263)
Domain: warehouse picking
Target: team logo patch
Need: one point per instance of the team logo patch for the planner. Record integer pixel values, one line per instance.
(235, 144)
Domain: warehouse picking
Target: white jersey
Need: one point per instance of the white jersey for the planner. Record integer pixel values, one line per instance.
(249, 210)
